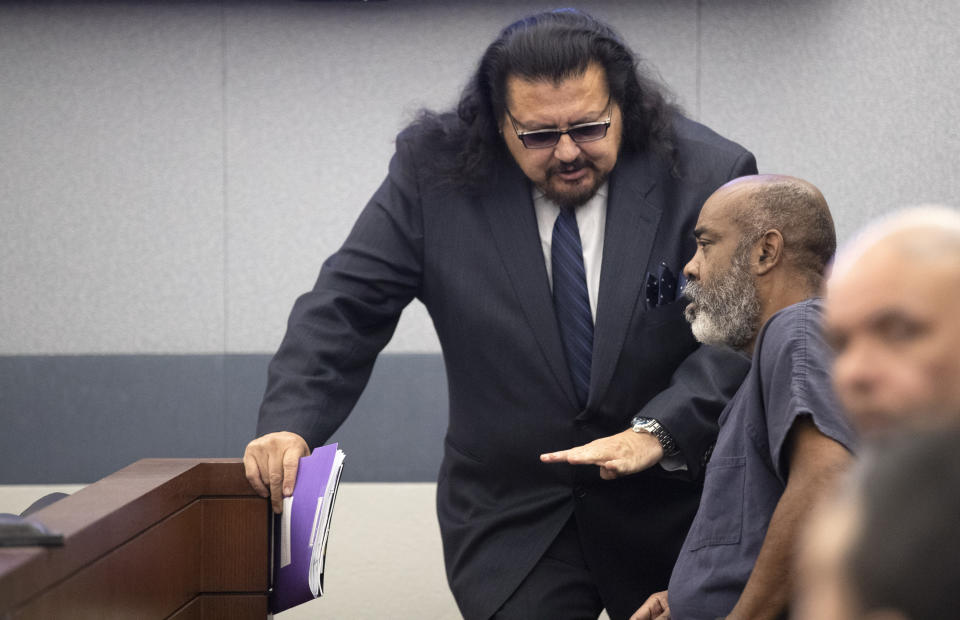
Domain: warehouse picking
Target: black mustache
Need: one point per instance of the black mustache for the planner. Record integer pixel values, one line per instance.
(571, 167)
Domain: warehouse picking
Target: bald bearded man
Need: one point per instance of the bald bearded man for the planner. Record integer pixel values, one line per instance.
(763, 244)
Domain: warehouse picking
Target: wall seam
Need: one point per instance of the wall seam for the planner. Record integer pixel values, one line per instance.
(698, 56)
(224, 155)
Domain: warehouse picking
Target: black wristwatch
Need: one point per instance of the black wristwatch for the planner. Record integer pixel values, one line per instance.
(640, 423)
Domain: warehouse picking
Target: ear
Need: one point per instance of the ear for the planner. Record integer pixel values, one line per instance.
(768, 252)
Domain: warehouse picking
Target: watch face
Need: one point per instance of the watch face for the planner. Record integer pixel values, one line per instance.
(639, 422)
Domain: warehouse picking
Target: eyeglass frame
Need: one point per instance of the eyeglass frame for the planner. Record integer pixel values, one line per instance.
(561, 132)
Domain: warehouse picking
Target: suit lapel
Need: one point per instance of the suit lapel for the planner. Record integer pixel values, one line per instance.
(633, 214)
(513, 223)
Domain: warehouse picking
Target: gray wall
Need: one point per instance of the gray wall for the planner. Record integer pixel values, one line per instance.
(173, 174)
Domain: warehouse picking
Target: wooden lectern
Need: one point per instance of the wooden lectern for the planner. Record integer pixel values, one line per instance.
(185, 539)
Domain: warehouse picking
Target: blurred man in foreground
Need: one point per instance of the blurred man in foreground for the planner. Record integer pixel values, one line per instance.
(763, 245)
(893, 318)
(886, 546)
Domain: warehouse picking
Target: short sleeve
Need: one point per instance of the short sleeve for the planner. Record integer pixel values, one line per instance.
(795, 364)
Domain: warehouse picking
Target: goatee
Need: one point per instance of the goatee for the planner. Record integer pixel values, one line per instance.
(571, 198)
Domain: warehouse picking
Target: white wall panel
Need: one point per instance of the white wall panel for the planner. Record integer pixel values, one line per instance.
(110, 163)
(175, 173)
(857, 96)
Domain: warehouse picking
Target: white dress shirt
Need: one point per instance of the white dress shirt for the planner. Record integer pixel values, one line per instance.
(591, 219)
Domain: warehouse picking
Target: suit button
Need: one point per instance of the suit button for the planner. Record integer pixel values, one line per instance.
(580, 492)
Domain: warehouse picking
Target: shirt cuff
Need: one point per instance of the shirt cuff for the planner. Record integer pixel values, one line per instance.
(674, 463)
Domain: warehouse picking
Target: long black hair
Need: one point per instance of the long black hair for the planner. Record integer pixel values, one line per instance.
(553, 46)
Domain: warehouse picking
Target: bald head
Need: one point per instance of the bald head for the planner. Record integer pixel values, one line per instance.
(929, 233)
(893, 298)
(794, 207)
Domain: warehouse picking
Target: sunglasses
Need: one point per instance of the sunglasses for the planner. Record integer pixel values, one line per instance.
(546, 138)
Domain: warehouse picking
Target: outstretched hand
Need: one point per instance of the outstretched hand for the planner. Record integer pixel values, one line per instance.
(622, 454)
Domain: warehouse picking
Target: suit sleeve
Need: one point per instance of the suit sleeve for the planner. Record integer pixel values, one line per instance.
(336, 331)
(689, 408)
(702, 384)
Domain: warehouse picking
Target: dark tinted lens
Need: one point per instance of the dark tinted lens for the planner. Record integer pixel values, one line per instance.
(588, 132)
(540, 139)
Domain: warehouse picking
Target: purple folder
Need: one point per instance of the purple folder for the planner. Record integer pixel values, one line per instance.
(300, 533)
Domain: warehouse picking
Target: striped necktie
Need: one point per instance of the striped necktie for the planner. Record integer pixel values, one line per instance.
(571, 302)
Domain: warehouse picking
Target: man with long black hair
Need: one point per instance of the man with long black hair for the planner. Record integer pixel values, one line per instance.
(543, 223)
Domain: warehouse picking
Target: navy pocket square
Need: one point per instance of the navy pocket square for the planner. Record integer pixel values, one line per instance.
(652, 293)
(661, 288)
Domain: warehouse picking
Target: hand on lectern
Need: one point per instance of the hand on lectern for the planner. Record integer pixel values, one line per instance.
(271, 463)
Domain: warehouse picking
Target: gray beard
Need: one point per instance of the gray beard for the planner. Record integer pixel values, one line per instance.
(726, 312)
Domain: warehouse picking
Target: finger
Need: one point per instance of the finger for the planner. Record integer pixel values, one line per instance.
(625, 467)
(662, 607)
(645, 612)
(620, 467)
(275, 480)
(291, 461)
(651, 610)
(607, 473)
(251, 469)
(581, 455)
(586, 455)
(554, 457)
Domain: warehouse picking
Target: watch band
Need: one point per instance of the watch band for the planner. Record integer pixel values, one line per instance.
(640, 423)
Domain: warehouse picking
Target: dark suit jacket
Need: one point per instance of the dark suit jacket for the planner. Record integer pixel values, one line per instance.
(477, 265)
